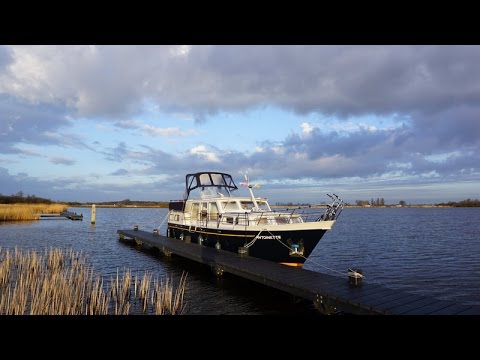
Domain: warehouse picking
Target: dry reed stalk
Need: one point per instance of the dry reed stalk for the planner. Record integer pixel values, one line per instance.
(145, 289)
(63, 283)
(17, 212)
(178, 303)
(167, 301)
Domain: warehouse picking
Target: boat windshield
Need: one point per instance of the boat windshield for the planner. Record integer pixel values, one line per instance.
(215, 183)
(230, 205)
(263, 206)
(249, 205)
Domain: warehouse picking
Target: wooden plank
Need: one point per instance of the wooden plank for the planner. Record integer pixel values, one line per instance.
(366, 290)
(336, 288)
(404, 301)
(397, 296)
(399, 310)
(474, 310)
(327, 289)
(338, 293)
(451, 310)
(427, 309)
(367, 299)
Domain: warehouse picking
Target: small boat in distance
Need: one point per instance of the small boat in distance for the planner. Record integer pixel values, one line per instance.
(217, 218)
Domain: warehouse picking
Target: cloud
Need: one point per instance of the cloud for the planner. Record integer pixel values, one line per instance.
(429, 94)
(58, 160)
(423, 83)
(23, 122)
(5, 57)
(119, 153)
(307, 128)
(11, 184)
(119, 172)
(153, 130)
(375, 156)
(165, 132)
(128, 124)
(204, 153)
(110, 79)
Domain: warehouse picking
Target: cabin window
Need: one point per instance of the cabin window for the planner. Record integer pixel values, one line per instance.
(282, 219)
(229, 220)
(217, 179)
(213, 211)
(230, 206)
(203, 212)
(205, 179)
(246, 205)
(195, 210)
(263, 206)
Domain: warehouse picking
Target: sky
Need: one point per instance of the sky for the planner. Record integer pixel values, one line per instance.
(106, 123)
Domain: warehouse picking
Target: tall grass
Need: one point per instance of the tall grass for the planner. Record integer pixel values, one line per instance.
(15, 212)
(62, 283)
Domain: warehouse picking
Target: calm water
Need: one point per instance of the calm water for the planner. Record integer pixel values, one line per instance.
(432, 252)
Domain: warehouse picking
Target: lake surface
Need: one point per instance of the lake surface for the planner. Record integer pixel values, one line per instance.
(426, 251)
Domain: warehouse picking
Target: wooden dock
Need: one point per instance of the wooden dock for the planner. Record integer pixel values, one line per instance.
(62, 216)
(329, 294)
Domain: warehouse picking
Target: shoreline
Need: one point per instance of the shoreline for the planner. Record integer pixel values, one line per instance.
(274, 206)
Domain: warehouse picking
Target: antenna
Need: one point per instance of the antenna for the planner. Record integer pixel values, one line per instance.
(247, 184)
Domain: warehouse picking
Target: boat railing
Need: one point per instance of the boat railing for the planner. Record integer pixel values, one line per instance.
(291, 216)
(255, 218)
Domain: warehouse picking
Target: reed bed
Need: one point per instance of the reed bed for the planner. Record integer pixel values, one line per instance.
(60, 282)
(17, 212)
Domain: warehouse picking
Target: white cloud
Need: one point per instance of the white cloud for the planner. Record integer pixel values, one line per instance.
(181, 50)
(307, 128)
(170, 131)
(279, 150)
(202, 151)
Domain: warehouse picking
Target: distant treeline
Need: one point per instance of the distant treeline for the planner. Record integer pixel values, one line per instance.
(373, 202)
(125, 203)
(463, 203)
(291, 204)
(21, 198)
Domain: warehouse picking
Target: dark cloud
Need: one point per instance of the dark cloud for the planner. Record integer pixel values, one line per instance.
(23, 122)
(5, 57)
(428, 84)
(11, 184)
(432, 85)
(345, 80)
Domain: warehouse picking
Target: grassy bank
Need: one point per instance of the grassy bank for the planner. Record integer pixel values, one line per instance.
(16, 212)
(63, 283)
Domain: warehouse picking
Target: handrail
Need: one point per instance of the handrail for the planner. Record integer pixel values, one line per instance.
(247, 218)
